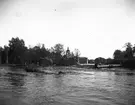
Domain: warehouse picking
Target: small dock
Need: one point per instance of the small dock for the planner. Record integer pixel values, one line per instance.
(86, 65)
(99, 66)
(109, 66)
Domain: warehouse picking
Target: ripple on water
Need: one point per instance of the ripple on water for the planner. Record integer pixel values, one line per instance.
(79, 88)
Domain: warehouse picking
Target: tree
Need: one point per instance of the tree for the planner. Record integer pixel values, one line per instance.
(100, 60)
(1, 49)
(118, 55)
(3, 54)
(59, 48)
(36, 53)
(128, 45)
(57, 53)
(6, 49)
(134, 50)
(77, 54)
(16, 50)
(128, 51)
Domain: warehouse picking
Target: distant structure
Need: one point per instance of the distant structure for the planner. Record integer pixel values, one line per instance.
(91, 61)
(83, 60)
(100, 60)
(68, 55)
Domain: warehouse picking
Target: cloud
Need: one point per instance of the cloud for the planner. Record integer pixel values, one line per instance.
(130, 4)
(4, 5)
(65, 7)
(5, 2)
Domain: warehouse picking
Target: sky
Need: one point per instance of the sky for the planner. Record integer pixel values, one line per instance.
(96, 27)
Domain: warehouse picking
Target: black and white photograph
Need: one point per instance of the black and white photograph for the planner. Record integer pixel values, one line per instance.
(67, 52)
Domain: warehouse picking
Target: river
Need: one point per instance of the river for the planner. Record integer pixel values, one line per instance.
(85, 87)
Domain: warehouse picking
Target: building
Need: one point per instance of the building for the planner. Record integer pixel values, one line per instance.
(83, 60)
(91, 61)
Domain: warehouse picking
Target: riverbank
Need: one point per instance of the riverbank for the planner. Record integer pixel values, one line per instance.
(50, 69)
(73, 69)
(98, 66)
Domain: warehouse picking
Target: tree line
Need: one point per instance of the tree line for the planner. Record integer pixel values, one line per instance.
(17, 53)
(125, 57)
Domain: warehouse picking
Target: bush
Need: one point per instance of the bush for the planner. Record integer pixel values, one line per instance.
(129, 63)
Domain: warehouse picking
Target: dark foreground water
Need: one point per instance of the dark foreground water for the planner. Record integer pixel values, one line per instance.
(92, 87)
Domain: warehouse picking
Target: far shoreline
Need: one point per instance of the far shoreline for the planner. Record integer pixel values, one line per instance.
(72, 67)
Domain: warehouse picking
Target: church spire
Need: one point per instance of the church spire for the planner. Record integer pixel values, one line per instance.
(68, 52)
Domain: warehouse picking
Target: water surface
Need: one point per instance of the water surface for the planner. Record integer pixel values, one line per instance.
(85, 87)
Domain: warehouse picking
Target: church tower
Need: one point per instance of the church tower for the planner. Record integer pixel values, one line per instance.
(68, 53)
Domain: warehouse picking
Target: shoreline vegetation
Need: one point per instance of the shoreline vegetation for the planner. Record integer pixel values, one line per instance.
(17, 55)
(61, 70)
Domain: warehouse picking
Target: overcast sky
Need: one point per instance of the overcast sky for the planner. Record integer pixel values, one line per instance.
(95, 27)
